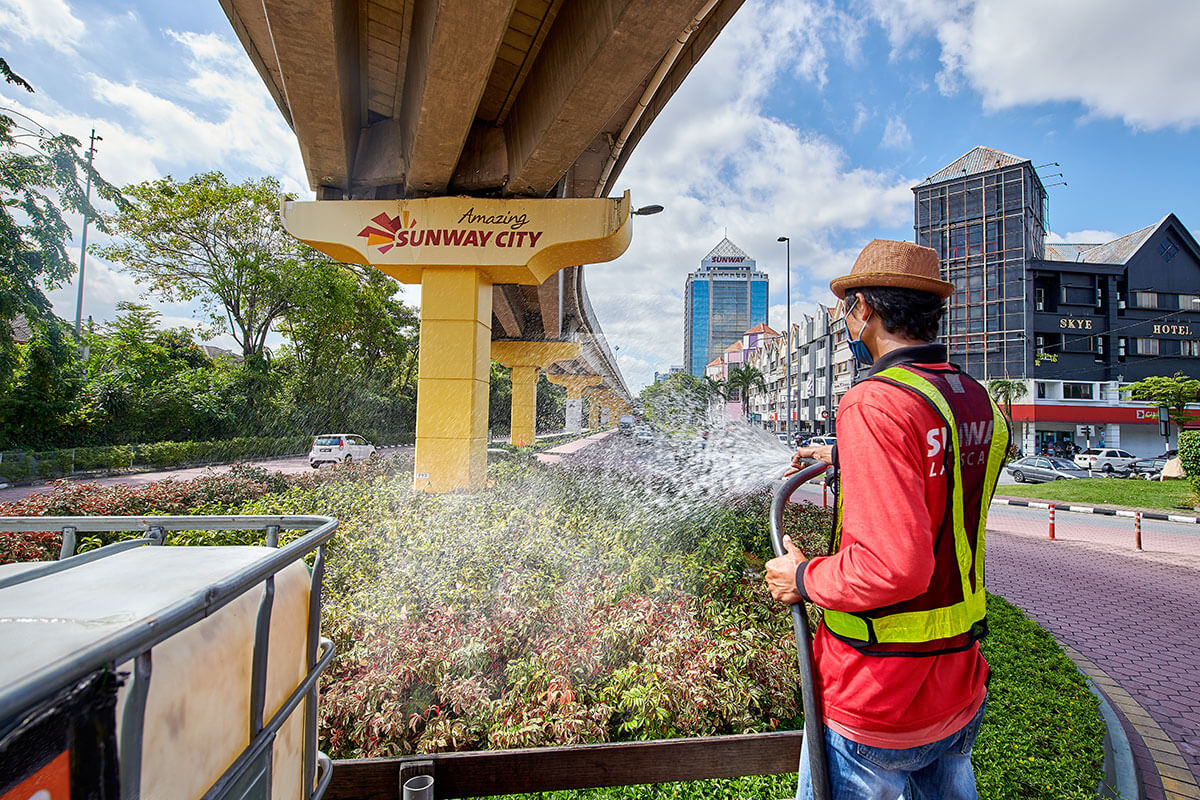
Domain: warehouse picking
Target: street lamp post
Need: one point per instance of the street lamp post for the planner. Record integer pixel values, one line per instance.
(787, 338)
(91, 153)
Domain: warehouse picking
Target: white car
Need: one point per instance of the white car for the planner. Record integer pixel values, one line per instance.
(1104, 459)
(339, 448)
(818, 441)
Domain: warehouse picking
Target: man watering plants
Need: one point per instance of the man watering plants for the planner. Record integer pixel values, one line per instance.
(902, 683)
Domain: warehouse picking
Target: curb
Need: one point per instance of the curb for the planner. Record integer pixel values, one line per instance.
(1166, 774)
(1101, 510)
(1120, 781)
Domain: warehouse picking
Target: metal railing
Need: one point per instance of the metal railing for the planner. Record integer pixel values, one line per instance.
(136, 642)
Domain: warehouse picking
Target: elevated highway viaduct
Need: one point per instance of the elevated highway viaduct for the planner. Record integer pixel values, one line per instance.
(470, 146)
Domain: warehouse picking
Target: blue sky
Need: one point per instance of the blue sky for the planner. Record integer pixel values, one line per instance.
(807, 119)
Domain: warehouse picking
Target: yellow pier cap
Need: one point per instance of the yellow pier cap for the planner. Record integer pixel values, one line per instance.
(575, 384)
(526, 359)
(457, 248)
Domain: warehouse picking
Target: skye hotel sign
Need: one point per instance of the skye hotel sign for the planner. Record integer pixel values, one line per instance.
(1157, 329)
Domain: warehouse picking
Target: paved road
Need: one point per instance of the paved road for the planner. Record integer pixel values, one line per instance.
(1134, 615)
(286, 464)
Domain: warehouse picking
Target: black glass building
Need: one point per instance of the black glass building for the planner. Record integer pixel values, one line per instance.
(1113, 311)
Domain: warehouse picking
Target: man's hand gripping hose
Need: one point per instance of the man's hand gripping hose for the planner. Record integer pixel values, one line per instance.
(814, 724)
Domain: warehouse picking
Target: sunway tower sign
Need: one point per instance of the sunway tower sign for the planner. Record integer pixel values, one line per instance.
(727, 255)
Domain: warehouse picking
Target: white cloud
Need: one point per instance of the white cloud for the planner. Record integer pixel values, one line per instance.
(216, 116)
(896, 135)
(1136, 62)
(1082, 237)
(47, 21)
(717, 159)
(861, 115)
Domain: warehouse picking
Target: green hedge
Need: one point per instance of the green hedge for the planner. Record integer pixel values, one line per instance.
(19, 466)
(1189, 454)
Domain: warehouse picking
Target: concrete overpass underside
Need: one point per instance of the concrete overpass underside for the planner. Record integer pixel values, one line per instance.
(497, 99)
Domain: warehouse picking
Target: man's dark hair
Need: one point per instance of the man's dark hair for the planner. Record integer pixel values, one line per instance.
(910, 312)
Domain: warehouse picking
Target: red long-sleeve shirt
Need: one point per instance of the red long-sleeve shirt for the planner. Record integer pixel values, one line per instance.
(894, 498)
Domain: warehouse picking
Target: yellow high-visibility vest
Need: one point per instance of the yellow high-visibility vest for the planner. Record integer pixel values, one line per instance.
(959, 618)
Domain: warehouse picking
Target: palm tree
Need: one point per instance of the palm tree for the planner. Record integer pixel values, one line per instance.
(1006, 391)
(746, 378)
(714, 387)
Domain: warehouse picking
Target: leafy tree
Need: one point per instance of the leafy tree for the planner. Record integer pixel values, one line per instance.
(355, 349)
(221, 244)
(1005, 391)
(551, 404)
(41, 177)
(1174, 392)
(41, 399)
(149, 384)
(679, 403)
(746, 378)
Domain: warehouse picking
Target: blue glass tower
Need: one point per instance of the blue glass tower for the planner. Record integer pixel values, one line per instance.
(725, 298)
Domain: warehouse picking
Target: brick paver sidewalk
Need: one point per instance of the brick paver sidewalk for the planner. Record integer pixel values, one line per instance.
(1135, 616)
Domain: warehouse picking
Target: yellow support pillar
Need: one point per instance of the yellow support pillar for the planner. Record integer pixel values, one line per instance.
(457, 248)
(575, 384)
(454, 368)
(526, 360)
(593, 410)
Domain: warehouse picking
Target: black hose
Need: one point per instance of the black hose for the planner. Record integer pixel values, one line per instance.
(814, 725)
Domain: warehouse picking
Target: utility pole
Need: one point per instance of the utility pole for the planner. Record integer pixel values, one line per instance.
(91, 153)
(788, 336)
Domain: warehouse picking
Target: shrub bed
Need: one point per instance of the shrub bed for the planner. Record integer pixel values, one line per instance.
(558, 607)
(241, 485)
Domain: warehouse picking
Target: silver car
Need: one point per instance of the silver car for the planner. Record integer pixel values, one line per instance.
(1039, 469)
(339, 448)
(1104, 459)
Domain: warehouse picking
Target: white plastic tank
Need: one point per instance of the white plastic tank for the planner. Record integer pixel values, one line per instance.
(198, 706)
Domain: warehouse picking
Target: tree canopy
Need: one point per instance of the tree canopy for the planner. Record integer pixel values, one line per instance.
(42, 177)
(223, 245)
(1174, 392)
(1006, 391)
(746, 378)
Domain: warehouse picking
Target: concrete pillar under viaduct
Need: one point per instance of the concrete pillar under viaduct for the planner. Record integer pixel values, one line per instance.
(527, 359)
(595, 398)
(457, 248)
(575, 385)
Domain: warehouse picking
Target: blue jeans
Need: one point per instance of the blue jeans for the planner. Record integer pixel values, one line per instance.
(940, 770)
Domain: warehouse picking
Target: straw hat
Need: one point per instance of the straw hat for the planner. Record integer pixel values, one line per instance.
(902, 265)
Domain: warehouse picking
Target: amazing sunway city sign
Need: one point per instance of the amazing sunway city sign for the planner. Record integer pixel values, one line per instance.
(511, 240)
(386, 232)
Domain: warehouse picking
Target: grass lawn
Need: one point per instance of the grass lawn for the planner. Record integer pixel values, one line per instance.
(1168, 495)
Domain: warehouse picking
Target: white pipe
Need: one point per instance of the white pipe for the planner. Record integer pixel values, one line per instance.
(659, 76)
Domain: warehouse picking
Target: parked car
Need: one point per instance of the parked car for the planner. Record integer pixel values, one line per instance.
(1039, 469)
(1104, 459)
(1148, 468)
(817, 441)
(643, 434)
(339, 448)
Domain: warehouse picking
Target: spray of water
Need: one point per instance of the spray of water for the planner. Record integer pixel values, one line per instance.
(556, 581)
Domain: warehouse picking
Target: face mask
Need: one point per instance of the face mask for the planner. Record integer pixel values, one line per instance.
(858, 347)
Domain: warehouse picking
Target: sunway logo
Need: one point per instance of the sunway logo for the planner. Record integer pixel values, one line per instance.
(402, 231)
(728, 259)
